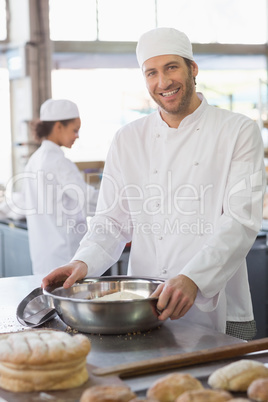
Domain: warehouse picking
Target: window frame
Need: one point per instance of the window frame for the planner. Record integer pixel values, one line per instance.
(5, 41)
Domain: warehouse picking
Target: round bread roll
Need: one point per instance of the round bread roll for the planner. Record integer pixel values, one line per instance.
(204, 395)
(258, 389)
(107, 393)
(143, 400)
(237, 376)
(168, 388)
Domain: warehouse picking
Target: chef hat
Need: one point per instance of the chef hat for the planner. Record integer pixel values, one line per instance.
(161, 41)
(58, 109)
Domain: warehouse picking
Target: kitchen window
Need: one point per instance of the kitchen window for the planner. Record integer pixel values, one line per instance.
(206, 21)
(107, 83)
(3, 20)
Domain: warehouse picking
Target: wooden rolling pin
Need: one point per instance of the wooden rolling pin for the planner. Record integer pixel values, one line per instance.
(182, 360)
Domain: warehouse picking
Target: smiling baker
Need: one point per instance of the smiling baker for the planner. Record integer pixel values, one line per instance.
(185, 185)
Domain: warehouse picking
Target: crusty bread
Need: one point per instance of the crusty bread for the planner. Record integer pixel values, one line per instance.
(107, 393)
(42, 347)
(25, 366)
(73, 379)
(204, 395)
(143, 400)
(258, 389)
(239, 400)
(238, 375)
(169, 387)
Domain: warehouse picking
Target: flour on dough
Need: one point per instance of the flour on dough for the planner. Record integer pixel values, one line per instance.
(124, 295)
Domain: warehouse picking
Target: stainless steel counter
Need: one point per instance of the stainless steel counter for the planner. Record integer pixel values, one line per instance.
(171, 338)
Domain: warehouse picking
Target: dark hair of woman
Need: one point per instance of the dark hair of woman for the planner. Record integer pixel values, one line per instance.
(42, 129)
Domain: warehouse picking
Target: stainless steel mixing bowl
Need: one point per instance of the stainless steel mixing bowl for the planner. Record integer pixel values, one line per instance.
(79, 307)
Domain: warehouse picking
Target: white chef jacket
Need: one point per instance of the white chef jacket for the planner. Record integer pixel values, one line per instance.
(57, 201)
(190, 200)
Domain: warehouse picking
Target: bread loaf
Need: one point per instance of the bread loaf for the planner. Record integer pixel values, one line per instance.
(143, 400)
(169, 387)
(42, 347)
(204, 395)
(41, 360)
(258, 390)
(237, 376)
(107, 393)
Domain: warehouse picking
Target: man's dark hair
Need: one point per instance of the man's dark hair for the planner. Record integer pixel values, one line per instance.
(189, 64)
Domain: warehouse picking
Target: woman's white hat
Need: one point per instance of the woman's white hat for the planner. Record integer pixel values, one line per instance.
(162, 41)
(58, 109)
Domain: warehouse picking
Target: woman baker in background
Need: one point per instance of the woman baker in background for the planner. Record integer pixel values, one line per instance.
(57, 199)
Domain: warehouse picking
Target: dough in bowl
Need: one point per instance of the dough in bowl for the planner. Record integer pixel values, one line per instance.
(124, 295)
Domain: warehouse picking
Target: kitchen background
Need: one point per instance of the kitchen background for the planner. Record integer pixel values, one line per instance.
(84, 50)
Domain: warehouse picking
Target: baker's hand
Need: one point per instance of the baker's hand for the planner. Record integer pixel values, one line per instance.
(175, 297)
(70, 273)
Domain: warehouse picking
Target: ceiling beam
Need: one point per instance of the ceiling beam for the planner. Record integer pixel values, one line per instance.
(130, 47)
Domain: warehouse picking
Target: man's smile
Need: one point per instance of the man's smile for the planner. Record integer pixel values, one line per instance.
(170, 93)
